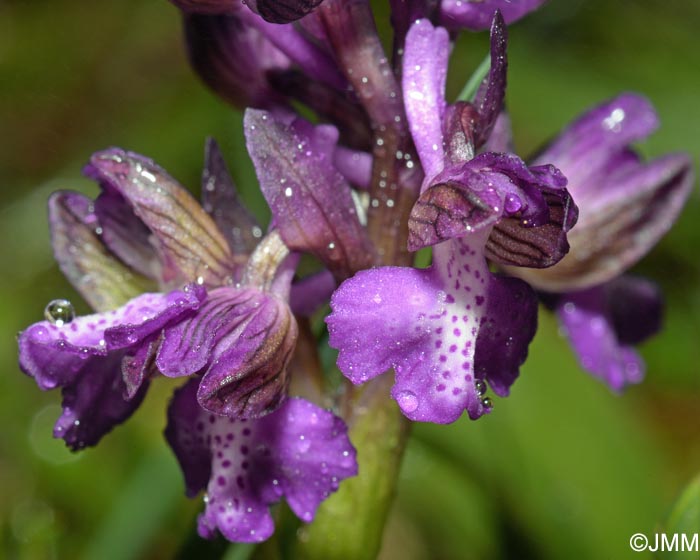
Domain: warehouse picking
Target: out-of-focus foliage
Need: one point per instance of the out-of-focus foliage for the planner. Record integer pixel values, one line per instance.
(562, 469)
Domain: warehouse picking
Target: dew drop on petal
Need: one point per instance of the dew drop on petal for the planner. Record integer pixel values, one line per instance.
(480, 387)
(59, 312)
(407, 401)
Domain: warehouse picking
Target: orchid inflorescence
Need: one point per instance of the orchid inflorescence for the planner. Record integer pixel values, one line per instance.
(201, 291)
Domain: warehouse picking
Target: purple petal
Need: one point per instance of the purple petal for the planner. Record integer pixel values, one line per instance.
(95, 402)
(311, 202)
(300, 452)
(126, 236)
(512, 243)
(234, 58)
(424, 75)
(491, 95)
(310, 293)
(621, 224)
(590, 320)
(190, 245)
(282, 11)
(220, 199)
(477, 15)
(445, 330)
(242, 340)
(84, 357)
(103, 281)
(449, 210)
(585, 147)
(501, 137)
(636, 308)
(53, 354)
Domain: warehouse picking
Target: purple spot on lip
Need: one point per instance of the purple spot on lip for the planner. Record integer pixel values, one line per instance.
(479, 300)
(457, 332)
(453, 348)
(450, 298)
(438, 343)
(443, 358)
(440, 387)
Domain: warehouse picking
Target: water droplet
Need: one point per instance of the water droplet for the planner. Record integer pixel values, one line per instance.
(486, 402)
(59, 312)
(480, 387)
(407, 401)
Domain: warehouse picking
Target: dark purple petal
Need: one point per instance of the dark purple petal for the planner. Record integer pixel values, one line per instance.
(311, 202)
(477, 15)
(103, 281)
(300, 452)
(189, 244)
(512, 243)
(589, 321)
(233, 58)
(424, 75)
(620, 224)
(449, 210)
(220, 199)
(95, 402)
(84, 357)
(185, 434)
(492, 92)
(332, 105)
(282, 11)
(242, 341)
(636, 307)
(439, 328)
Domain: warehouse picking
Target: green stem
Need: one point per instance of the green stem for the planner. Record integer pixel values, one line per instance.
(350, 524)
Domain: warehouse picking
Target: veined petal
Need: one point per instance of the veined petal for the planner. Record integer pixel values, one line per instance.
(220, 199)
(477, 15)
(424, 75)
(190, 245)
(300, 452)
(603, 322)
(126, 236)
(446, 330)
(619, 226)
(242, 341)
(103, 281)
(311, 202)
(449, 210)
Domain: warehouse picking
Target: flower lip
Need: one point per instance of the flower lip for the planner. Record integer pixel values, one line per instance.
(300, 452)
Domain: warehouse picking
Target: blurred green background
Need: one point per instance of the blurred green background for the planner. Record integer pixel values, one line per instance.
(562, 469)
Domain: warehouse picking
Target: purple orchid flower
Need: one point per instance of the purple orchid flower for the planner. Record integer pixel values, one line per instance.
(230, 323)
(626, 206)
(454, 328)
(300, 451)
